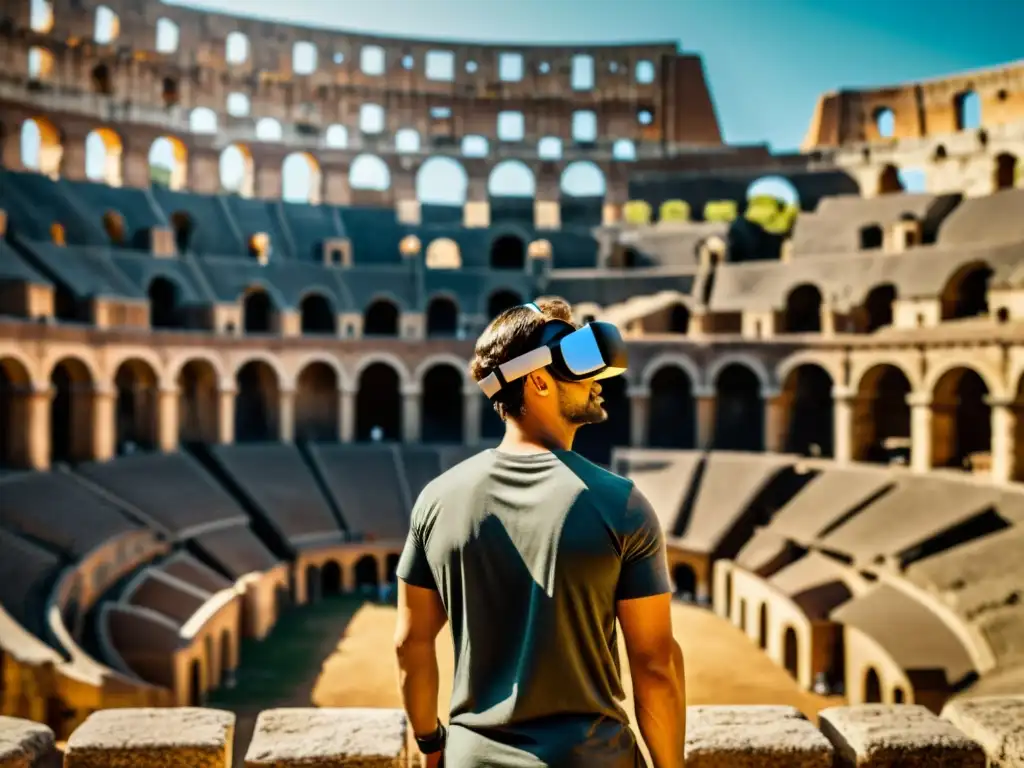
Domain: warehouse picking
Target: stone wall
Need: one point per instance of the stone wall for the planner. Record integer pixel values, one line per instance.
(975, 732)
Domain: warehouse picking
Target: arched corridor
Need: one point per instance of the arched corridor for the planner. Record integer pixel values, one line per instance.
(441, 409)
(318, 315)
(803, 310)
(198, 397)
(330, 579)
(381, 318)
(739, 410)
(508, 252)
(670, 420)
(366, 576)
(762, 627)
(15, 389)
(137, 410)
(966, 292)
(808, 421)
(961, 419)
(878, 307)
(317, 403)
(791, 653)
(872, 687)
(685, 580)
(71, 411)
(164, 306)
(257, 312)
(442, 317)
(256, 403)
(379, 403)
(881, 416)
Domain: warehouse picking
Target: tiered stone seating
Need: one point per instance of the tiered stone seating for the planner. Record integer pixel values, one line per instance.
(212, 232)
(261, 216)
(27, 573)
(132, 205)
(374, 233)
(422, 464)
(90, 273)
(237, 549)
(663, 477)
(309, 226)
(367, 487)
(35, 202)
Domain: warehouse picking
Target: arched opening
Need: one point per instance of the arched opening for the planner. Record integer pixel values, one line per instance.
(71, 411)
(679, 319)
(198, 411)
(379, 403)
(762, 627)
(807, 400)
(882, 417)
(871, 237)
(164, 310)
(442, 181)
(728, 593)
(183, 228)
(889, 181)
(442, 317)
(671, 416)
(443, 253)
(391, 568)
(966, 292)
(168, 163)
(791, 653)
(103, 150)
(367, 578)
(803, 310)
(318, 315)
(968, 111)
(596, 441)
(42, 149)
(15, 388)
(257, 311)
(742, 619)
(739, 411)
(269, 130)
(898, 696)
(301, 179)
(961, 420)
(1006, 171)
(369, 172)
(441, 411)
(211, 670)
(381, 318)
(330, 579)
(316, 403)
(582, 179)
(508, 252)
(227, 665)
(237, 171)
(685, 581)
(314, 586)
(501, 300)
(872, 687)
(256, 403)
(137, 414)
(511, 178)
(878, 308)
(195, 684)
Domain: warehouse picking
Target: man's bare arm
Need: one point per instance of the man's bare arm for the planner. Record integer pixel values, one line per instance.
(655, 664)
(421, 617)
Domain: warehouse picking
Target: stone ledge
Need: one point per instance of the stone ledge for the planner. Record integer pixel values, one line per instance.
(152, 738)
(24, 744)
(764, 736)
(883, 736)
(330, 738)
(996, 723)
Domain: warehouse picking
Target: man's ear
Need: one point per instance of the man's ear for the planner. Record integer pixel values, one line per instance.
(540, 383)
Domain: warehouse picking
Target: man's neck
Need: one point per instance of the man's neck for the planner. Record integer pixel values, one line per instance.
(526, 436)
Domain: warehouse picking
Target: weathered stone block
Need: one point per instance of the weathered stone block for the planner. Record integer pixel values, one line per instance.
(905, 735)
(995, 722)
(24, 744)
(152, 738)
(330, 738)
(753, 737)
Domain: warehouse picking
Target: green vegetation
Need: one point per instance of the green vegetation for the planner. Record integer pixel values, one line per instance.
(636, 212)
(160, 175)
(771, 214)
(674, 210)
(723, 211)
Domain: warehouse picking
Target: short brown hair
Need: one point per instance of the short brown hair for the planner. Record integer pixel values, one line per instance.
(512, 333)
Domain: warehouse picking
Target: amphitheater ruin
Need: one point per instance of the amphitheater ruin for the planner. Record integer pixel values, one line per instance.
(236, 316)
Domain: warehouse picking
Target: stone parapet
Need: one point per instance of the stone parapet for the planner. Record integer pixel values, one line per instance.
(971, 733)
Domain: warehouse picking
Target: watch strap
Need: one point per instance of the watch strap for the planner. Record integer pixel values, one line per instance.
(432, 742)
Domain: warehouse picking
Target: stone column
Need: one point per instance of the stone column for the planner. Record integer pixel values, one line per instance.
(286, 415)
(920, 430)
(167, 419)
(226, 415)
(1004, 426)
(346, 414)
(36, 451)
(774, 420)
(411, 396)
(842, 424)
(705, 402)
(639, 415)
(103, 399)
(471, 405)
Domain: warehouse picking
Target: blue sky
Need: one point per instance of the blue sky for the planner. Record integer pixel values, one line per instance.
(767, 60)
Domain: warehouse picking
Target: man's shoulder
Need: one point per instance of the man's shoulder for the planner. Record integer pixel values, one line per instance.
(607, 485)
(456, 478)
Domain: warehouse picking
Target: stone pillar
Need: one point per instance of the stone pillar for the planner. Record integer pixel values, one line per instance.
(704, 401)
(774, 420)
(37, 439)
(286, 415)
(920, 430)
(226, 416)
(167, 420)
(411, 395)
(103, 399)
(471, 406)
(842, 425)
(1004, 426)
(639, 415)
(346, 414)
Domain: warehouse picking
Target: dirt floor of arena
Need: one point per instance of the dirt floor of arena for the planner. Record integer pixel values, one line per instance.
(338, 654)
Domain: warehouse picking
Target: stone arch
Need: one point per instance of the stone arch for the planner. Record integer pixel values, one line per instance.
(443, 253)
(803, 309)
(961, 419)
(330, 579)
(301, 179)
(791, 652)
(808, 408)
(198, 383)
(227, 658)
(889, 181)
(237, 171)
(316, 402)
(203, 120)
(258, 311)
(885, 122)
(442, 317)
(500, 300)
(366, 574)
(967, 107)
(369, 172)
(168, 36)
(137, 413)
(596, 441)
(739, 408)
(168, 162)
(898, 696)
(164, 303)
(441, 411)
(379, 401)
(877, 310)
(671, 406)
(508, 251)
(103, 152)
(881, 415)
(965, 293)
(257, 402)
(318, 314)
(685, 580)
(336, 137)
(511, 178)
(1007, 171)
(381, 317)
(691, 369)
(444, 358)
(442, 181)
(42, 147)
(41, 16)
(872, 687)
(269, 130)
(73, 384)
(582, 178)
(871, 237)
(755, 364)
(15, 389)
(762, 626)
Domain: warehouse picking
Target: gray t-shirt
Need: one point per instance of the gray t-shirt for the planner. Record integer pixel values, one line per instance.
(530, 554)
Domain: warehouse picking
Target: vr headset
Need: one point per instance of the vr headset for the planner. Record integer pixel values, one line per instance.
(595, 351)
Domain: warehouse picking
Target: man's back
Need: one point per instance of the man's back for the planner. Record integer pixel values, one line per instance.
(530, 554)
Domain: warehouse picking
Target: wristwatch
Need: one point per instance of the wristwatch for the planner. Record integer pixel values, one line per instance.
(432, 742)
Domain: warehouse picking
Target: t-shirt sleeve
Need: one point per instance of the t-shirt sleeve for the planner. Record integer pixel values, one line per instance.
(644, 570)
(413, 566)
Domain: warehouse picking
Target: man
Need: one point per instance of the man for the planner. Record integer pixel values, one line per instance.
(532, 553)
